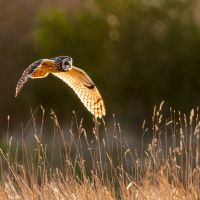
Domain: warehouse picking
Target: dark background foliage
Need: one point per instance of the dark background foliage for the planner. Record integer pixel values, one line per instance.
(137, 52)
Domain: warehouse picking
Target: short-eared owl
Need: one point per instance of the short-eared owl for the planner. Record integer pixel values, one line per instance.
(76, 78)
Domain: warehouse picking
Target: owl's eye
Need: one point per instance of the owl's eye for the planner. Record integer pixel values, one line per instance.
(65, 63)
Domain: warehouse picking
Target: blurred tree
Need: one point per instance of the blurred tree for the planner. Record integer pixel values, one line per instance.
(138, 53)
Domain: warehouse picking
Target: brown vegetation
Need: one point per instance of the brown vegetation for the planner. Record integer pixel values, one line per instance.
(102, 166)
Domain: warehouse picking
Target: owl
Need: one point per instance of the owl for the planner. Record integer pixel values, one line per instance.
(76, 78)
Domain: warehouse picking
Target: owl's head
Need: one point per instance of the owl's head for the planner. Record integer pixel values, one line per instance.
(64, 63)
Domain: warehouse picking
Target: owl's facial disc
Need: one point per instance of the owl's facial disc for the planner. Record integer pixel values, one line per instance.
(62, 63)
(66, 63)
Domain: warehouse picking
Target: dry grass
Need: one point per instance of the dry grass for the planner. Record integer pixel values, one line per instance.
(101, 165)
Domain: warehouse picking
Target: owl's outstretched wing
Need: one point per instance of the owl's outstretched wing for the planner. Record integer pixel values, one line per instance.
(24, 78)
(85, 89)
(36, 70)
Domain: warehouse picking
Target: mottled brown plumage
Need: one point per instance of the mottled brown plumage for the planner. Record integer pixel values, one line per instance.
(85, 89)
(76, 78)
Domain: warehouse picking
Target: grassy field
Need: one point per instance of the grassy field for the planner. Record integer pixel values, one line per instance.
(101, 165)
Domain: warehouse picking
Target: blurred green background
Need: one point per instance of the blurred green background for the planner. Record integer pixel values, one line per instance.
(138, 52)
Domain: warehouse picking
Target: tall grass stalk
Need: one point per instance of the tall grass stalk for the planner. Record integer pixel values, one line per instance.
(99, 164)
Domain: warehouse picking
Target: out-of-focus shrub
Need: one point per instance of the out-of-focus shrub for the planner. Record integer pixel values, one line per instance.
(138, 53)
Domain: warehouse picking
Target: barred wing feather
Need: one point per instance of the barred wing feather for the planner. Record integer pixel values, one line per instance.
(85, 89)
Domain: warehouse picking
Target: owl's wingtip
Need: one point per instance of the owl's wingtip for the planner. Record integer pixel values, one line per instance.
(100, 115)
(16, 94)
